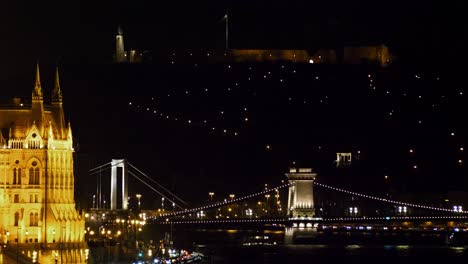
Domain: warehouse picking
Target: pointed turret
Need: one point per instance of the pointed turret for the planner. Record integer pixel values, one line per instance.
(37, 107)
(57, 107)
(51, 132)
(2, 140)
(37, 92)
(70, 136)
(57, 92)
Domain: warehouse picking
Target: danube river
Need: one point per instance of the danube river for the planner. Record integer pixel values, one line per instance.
(237, 246)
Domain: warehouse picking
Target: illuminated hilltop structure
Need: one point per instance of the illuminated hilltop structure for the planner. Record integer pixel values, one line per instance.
(378, 54)
(123, 56)
(36, 172)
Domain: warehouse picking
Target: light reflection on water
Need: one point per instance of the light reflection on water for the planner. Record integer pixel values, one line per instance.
(458, 251)
(78, 256)
(221, 246)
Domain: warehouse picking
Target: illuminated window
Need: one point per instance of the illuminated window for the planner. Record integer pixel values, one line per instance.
(34, 174)
(16, 175)
(16, 218)
(33, 219)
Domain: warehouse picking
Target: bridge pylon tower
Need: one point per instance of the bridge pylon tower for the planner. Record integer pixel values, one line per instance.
(115, 164)
(301, 192)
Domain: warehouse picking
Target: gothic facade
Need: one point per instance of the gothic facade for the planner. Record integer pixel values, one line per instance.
(36, 172)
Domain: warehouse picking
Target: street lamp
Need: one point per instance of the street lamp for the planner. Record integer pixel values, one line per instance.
(402, 210)
(353, 211)
(138, 196)
(248, 212)
(211, 194)
(27, 233)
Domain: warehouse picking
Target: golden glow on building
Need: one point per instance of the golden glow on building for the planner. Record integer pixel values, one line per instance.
(36, 172)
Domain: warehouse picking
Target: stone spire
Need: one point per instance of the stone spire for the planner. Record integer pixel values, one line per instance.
(37, 106)
(70, 136)
(57, 92)
(37, 92)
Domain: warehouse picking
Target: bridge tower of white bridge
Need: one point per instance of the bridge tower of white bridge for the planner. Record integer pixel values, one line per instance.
(301, 192)
(115, 164)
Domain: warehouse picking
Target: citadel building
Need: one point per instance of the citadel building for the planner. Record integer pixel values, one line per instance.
(36, 172)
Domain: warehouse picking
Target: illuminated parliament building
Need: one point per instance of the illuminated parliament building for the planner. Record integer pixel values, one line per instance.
(37, 202)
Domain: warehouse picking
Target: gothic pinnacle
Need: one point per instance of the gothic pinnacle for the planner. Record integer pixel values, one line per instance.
(57, 92)
(37, 92)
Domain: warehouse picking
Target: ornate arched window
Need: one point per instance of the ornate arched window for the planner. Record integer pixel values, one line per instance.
(19, 176)
(33, 219)
(14, 176)
(16, 218)
(34, 173)
(31, 175)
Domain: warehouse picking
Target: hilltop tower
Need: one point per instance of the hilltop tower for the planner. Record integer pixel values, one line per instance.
(120, 54)
(37, 202)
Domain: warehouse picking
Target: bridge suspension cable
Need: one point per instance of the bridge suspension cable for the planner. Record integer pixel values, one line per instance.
(157, 183)
(152, 188)
(99, 169)
(214, 205)
(388, 200)
(102, 167)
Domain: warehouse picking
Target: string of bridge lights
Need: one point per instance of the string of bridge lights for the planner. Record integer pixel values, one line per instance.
(317, 220)
(276, 221)
(388, 218)
(226, 202)
(389, 200)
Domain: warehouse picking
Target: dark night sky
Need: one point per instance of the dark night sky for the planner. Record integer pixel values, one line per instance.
(79, 35)
(83, 30)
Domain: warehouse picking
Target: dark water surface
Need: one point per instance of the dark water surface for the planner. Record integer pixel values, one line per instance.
(225, 246)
